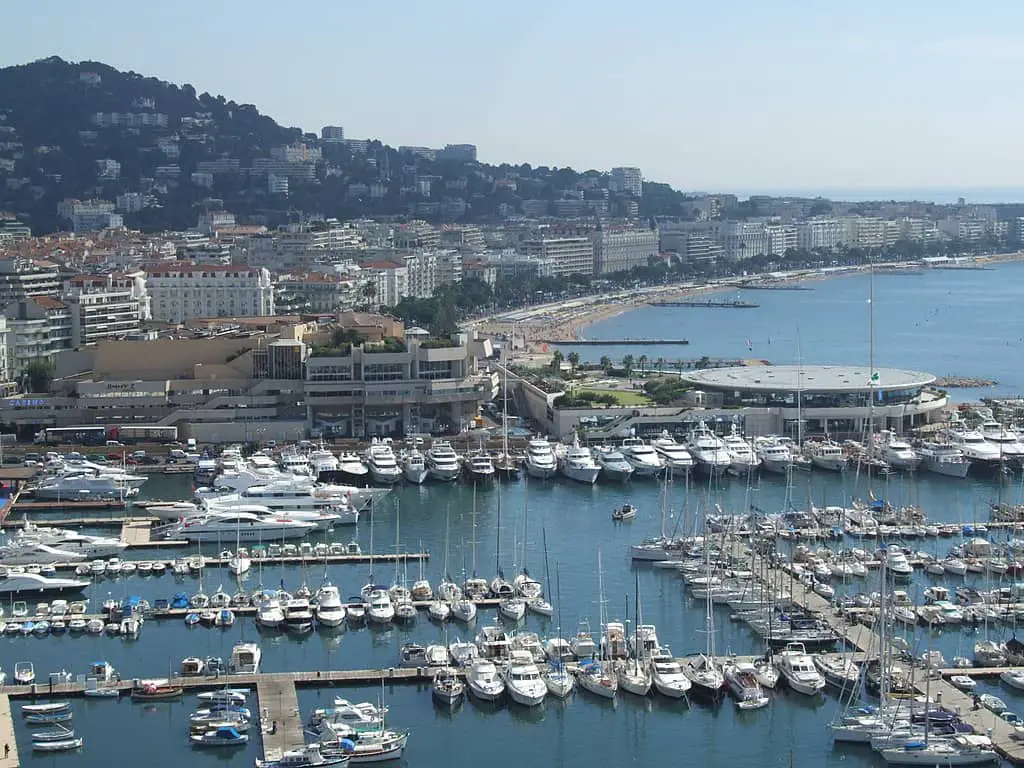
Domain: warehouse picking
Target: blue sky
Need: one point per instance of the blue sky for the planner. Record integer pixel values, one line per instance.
(746, 95)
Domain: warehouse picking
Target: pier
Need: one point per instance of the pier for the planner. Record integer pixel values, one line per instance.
(280, 717)
(7, 734)
(707, 304)
(615, 342)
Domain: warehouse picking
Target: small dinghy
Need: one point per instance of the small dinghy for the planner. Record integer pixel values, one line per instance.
(53, 717)
(624, 513)
(60, 735)
(46, 709)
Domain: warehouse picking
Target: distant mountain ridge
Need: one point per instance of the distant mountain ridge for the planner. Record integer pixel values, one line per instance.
(60, 122)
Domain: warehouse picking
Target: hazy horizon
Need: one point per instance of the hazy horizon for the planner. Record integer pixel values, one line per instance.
(787, 96)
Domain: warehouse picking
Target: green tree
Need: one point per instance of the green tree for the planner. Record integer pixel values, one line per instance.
(574, 361)
(627, 364)
(642, 362)
(370, 291)
(39, 375)
(556, 361)
(661, 365)
(606, 363)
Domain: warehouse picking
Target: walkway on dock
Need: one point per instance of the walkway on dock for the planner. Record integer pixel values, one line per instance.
(7, 735)
(280, 717)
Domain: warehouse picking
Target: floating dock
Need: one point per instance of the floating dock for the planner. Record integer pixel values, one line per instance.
(7, 735)
(280, 717)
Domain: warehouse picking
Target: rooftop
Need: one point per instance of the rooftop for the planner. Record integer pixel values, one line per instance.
(807, 378)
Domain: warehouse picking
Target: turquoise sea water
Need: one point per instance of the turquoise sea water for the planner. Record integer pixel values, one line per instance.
(921, 325)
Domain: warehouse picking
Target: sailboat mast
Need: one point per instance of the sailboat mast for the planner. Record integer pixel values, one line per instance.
(474, 530)
(871, 370)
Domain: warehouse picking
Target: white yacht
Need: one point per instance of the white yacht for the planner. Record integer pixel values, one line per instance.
(897, 452)
(577, 464)
(442, 461)
(797, 667)
(674, 454)
(540, 459)
(294, 495)
(974, 446)
(298, 616)
(743, 458)
(480, 467)
(612, 463)
(245, 659)
(269, 613)
(78, 487)
(1006, 440)
(243, 526)
(246, 477)
(329, 609)
(523, 680)
(297, 464)
(667, 676)
(774, 454)
(943, 458)
(33, 584)
(644, 460)
(22, 552)
(708, 450)
(321, 519)
(351, 469)
(414, 467)
(323, 462)
(484, 682)
(380, 460)
(70, 541)
(380, 609)
(741, 679)
(827, 454)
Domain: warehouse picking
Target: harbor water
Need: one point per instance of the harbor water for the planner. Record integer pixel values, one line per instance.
(961, 323)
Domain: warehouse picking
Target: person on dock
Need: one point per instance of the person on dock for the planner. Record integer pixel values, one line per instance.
(7, 751)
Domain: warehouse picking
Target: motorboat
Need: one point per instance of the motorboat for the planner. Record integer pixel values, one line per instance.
(523, 680)
(897, 452)
(797, 667)
(439, 610)
(741, 680)
(674, 455)
(379, 607)
(222, 736)
(624, 513)
(484, 682)
(26, 552)
(269, 613)
(708, 450)
(245, 659)
(583, 645)
(897, 564)
(493, 643)
(295, 463)
(989, 653)
(298, 617)
(667, 676)
(943, 458)
(827, 454)
(371, 747)
(463, 610)
(380, 460)
(1004, 439)
(447, 688)
(960, 749)
(288, 501)
(344, 716)
(463, 653)
(644, 460)
(80, 486)
(442, 461)
(512, 608)
(239, 563)
(23, 584)
(308, 756)
(743, 457)
(329, 609)
(414, 467)
(1013, 678)
(775, 454)
(59, 734)
(612, 462)
(980, 452)
(69, 540)
(323, 463)
(479, 467)
(540, 459)
(244, 526)
(577, 464)
(613, 641)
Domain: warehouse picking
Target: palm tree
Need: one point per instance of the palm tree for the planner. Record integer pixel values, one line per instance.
(679, 365)
(574, 361)
(556, 361)
(627, 364)
(606, 363)
(661, 365)
(369, 291)
(642, 362)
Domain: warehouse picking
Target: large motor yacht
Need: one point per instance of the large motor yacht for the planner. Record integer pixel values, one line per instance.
(242, 526)
(827, 454)
(540, 459)
(743, 458)
(414, 466)
(442, 461)
(612, 463)
(383, 466)
(644, 460)
(297, 464)
(943, 458)
(708, 451)
(324, 464)
(674, 455)
(975, 448)
(577, 464)
(25, 584)
(1006, 440)
(897, 452)
(774, 454)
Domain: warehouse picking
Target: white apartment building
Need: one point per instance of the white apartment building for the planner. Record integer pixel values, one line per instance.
(296, 153)
(622, 249)
(390, 279)
(864, 231)
(23, 278)
(89, 215)
(744, 240)
(628, 180)
(38, 328)
(183, 291)
(968, 230)
(332, 133)
(108, 169)
(210, 221)
(781, 238)
(105, 306)
(820, 233)
(564, 255)
(317, 292)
